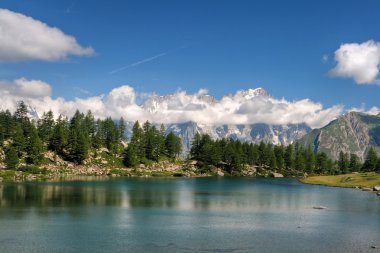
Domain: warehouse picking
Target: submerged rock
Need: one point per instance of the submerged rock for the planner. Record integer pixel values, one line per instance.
(319, 207)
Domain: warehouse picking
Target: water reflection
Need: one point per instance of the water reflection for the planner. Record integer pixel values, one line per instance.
(185, 215)
(183, 194)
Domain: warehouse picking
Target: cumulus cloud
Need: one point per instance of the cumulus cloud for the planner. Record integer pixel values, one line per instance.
(243, 107)
(358, 61)
(24, 38)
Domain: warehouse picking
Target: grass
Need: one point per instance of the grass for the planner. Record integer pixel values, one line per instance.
(369, 179)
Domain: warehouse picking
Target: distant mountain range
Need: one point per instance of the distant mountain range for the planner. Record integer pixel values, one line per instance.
(254, 133)
(353, 132)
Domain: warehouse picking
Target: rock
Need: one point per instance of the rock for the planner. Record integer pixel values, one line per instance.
(276, 175)
(220, 173)
(376, 188)
(366, 189)
(319, 207)
(142, 166)
(378, 193)
(375, 246)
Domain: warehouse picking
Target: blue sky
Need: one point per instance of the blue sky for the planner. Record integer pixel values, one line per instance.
(222, 46)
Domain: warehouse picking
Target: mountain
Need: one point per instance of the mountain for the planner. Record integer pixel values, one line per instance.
(353, 132)
(254, 133)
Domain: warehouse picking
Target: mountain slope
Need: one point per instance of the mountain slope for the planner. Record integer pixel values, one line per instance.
(353, 132)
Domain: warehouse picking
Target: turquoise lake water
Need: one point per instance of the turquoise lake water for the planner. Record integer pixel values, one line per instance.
(186, 215)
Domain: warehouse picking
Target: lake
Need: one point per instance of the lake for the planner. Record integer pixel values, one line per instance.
(186, 215)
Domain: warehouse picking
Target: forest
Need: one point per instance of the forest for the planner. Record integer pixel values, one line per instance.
(24, 141)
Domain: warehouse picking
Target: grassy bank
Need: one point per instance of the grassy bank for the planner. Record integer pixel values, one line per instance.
(346, 180)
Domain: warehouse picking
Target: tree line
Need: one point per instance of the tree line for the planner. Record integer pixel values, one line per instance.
(72, 139)
(151, 144)
(233, 155)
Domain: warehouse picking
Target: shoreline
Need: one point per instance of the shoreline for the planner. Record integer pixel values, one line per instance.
(368, 181)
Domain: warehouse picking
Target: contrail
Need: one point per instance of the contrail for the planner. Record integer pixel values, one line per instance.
(139, 63)
(148, 59)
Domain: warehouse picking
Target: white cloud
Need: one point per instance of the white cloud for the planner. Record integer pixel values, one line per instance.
(244, 107)
(372, 111)
(358, 61)
(24, 38)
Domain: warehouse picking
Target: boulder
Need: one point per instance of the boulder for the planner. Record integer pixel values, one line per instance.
(276, 175)
(220, 173)
(376, 188)
(366, 189)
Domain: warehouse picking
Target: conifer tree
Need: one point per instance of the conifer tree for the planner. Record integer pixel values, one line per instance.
(78, 141)
(354, 164)
(11, 158)
(309, 160)
(172, 145)
(34, 148)
(370, 161)
(343, 162)
(279, 154)
(289, 157)
(46, 126)
(321, 165)
(121, 128)
(195, 147)
(58, 140)
(137, 141)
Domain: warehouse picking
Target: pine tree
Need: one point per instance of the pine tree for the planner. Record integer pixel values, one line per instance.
(309, 160)
(321, 165)
(137, 141)
(11, 158)
(299, 161)
(172, 145)
(58, 140)
(46, 126)
(78, 141)
(354, 164)
(343, 162)
(121, 128)
(111, 135)
(370, 161)
(264, 155)
(279, 154)
(289, 157)
(195, 147)
(34, 149)
(272, 159)
(21, 113)
(131, 158)
(90, 126)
